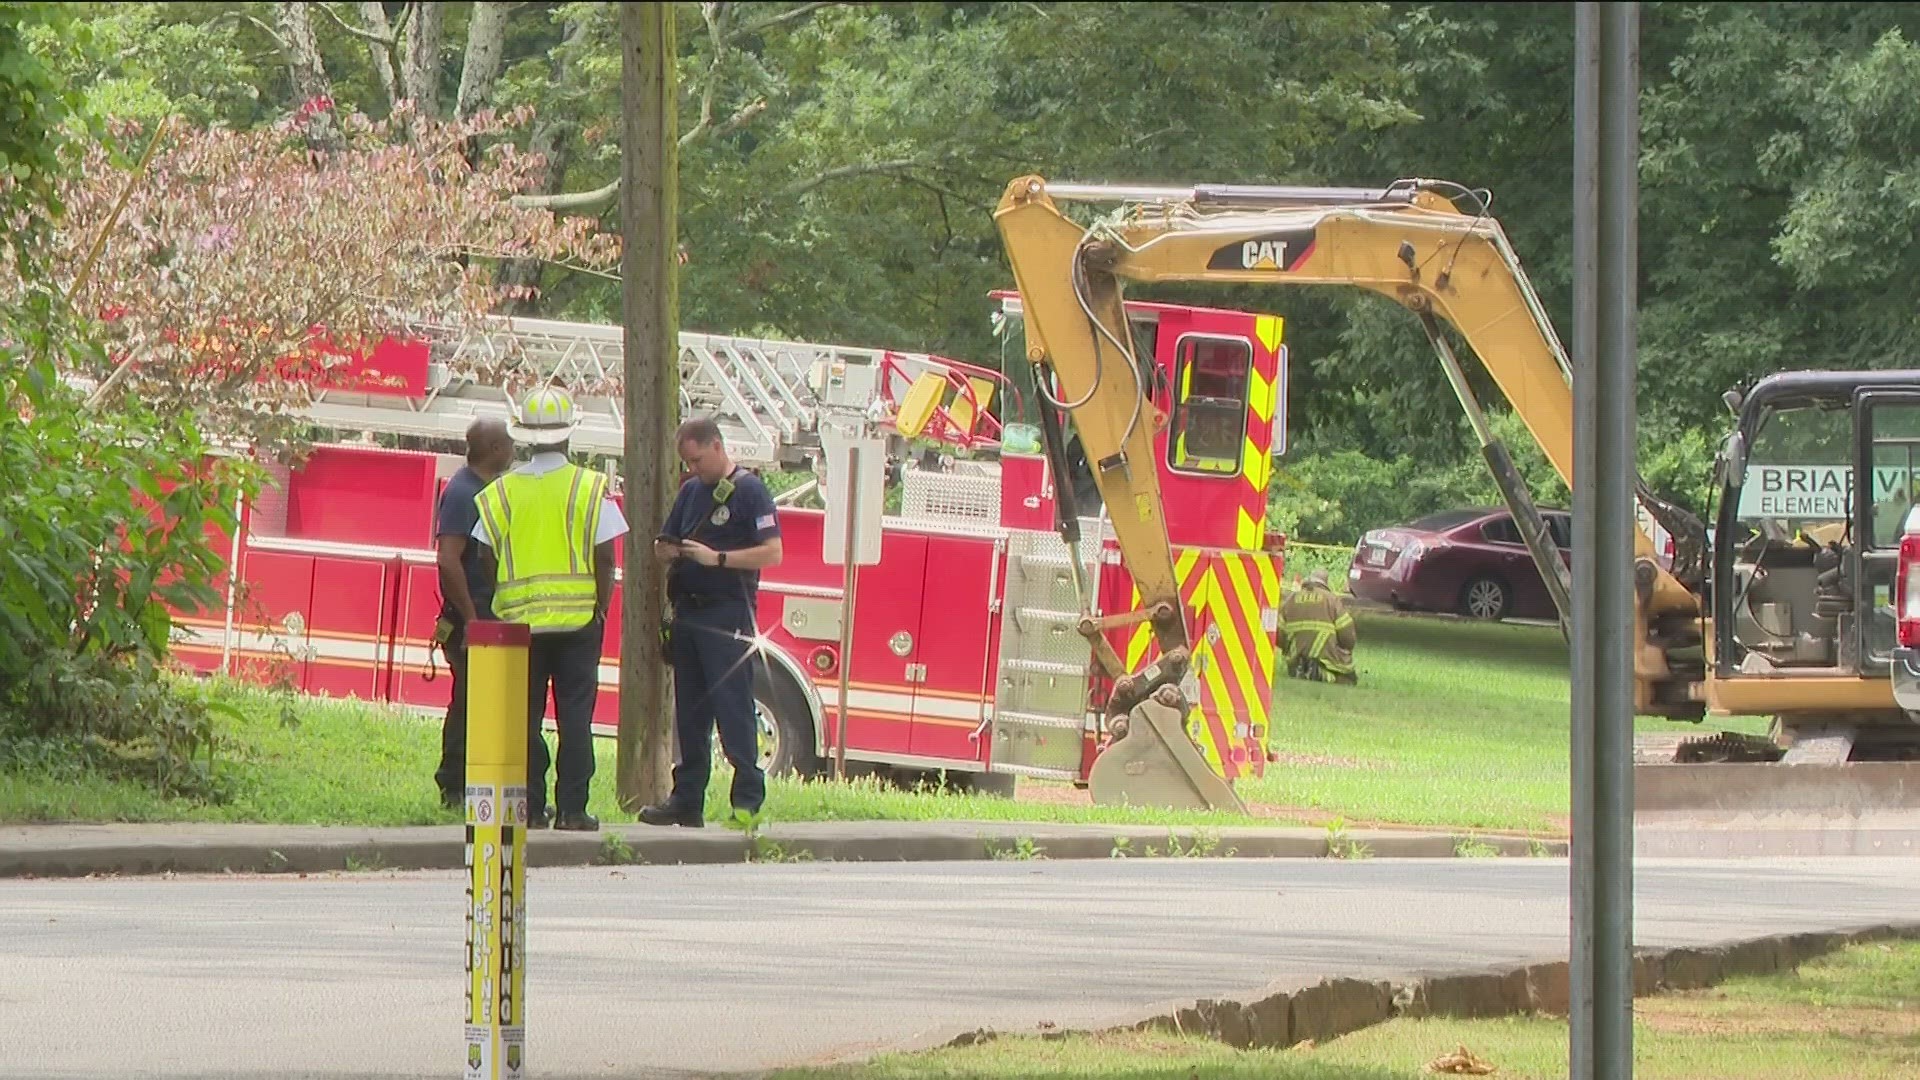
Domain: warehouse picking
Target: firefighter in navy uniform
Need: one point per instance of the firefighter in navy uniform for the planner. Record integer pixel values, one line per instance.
(466, 588)
(722, 531)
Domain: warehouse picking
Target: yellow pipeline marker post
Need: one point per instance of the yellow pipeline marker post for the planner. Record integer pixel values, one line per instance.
(496, 849)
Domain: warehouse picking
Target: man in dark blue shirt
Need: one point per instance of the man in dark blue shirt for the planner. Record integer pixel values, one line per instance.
(466, 588)
(722, 531)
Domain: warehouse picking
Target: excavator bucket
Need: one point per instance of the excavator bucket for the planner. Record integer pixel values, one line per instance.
(1156, 764)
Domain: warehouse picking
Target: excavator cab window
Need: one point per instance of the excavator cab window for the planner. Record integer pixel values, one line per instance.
(1889, 426)
(1791, 524)
(1893, 428)
(1208, 433)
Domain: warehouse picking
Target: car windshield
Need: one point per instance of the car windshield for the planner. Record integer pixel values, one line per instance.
(1446, 519)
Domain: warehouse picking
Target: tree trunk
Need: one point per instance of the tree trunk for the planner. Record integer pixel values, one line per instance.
(375, 14)
(486, 53)
(420, 66)
(307, 72)
(652, 396)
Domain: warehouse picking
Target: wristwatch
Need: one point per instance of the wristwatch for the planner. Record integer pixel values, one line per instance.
(723, 559)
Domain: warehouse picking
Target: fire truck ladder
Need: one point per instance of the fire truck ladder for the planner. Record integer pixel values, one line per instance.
(765, 394)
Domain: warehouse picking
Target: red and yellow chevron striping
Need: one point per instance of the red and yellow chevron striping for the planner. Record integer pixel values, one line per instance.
(1233, 602)
(1263, 398)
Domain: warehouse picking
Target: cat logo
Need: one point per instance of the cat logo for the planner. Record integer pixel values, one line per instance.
(1273, 251)
(1263, 254)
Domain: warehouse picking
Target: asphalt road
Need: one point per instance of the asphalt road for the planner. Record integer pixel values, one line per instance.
(642, 972)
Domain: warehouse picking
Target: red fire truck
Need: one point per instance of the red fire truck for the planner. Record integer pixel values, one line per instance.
(965, 654)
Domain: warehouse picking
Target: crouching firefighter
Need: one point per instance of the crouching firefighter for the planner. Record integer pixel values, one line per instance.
(1320, 635)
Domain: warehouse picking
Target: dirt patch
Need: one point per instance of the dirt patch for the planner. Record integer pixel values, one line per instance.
(1068, 795)
(1139, 1042)
(1052, 794)
(1712, 1013)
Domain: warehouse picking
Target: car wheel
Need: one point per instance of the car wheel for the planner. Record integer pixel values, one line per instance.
(1485, 598)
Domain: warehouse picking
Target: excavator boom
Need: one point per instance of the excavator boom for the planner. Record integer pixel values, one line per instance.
(1408, 241)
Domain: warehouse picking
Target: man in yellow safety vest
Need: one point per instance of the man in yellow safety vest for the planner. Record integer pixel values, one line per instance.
(1319, 630)
(551, 529)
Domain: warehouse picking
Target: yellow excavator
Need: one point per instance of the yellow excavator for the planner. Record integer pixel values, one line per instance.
(1784, 609)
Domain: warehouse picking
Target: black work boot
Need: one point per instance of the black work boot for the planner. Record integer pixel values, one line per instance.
(577, 821)
(669, 814)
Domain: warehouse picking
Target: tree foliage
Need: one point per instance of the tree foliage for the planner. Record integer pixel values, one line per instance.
(857, 206)
(236, 265)
(143, 62)
(34, 103)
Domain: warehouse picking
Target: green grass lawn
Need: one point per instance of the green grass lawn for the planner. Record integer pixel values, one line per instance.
(1454, 724)
(1853, 1015)
(350, 763)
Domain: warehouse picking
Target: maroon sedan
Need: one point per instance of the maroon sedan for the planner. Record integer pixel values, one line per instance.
(1469, 562)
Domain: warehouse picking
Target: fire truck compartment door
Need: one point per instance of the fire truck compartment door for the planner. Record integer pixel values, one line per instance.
(889, 608)
(272, 616)
(413, 660)
(949, 676)
(350, 624)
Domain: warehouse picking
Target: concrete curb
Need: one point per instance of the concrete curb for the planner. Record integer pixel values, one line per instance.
(1335, 1007)
(96, 850)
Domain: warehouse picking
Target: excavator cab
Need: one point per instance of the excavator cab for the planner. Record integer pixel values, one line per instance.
(1816, 484)
(1212, 385)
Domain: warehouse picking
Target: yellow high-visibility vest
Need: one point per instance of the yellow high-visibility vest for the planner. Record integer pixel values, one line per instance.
(541, 529)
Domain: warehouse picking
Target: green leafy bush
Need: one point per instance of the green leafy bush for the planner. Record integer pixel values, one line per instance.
(107, 524)
(1300, 559)
(1334, 497)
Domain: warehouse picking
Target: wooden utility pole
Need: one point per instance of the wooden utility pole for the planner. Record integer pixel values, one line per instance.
(649, 298)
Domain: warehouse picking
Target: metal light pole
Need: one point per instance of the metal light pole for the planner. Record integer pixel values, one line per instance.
(850, 584)
(1605, 252)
